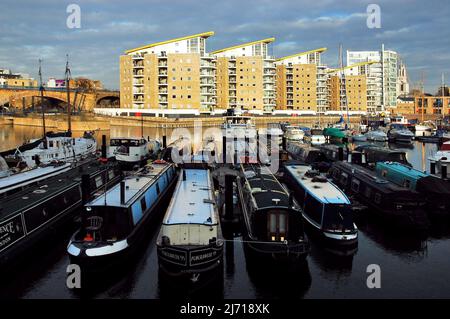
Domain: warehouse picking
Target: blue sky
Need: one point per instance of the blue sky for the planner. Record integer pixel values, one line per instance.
(29, 30)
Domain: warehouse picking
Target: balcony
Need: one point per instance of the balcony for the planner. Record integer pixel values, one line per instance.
(232, 79)
(232, 65)
(206, 74)
(138, 73)
(138, 91)
(162, 73)
(138, 64)
(290, 84)
(232, 87)
(138, 56)
(207, 83)
(269, 72)
(162, 82)
(138, 83)
(208, 92)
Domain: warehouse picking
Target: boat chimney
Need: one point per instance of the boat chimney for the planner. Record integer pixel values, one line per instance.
(122, 192)
(184, 175)
(224, 149)
(291, 200)
(284, 144)
(433, 168)
(341, 153)
(103, 146)
(229, 180)
(85, 187)
(443, 171)
(164, 141)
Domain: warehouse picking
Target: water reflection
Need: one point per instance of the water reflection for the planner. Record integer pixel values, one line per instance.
(411, 247)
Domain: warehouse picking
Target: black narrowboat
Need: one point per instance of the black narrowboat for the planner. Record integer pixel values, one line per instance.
(397, 205)
(190, 242)
(28, 216)
(272, 219)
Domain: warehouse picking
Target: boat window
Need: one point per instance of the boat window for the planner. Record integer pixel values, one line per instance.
(336, 174)
(313, 208)
(110, 174)
(355, 185)
(377, 198)
(157, 189)
(277, 226)
(337, 217)
(344, 178)
(367, 192)
(98, 181)
(50, 144)
(407, 183)
(143, 204)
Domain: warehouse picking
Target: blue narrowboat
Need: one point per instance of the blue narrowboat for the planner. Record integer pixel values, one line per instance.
(435, 190)
(325, 207)
(114, 223)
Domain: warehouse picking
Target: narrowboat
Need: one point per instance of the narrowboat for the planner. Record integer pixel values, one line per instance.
(325, 207)
(238, 126)
(177, 151)
(334, 152)
(31, 215)
(376, 154)
(115, 222)
(435, 190)
(399, 206)
(190, 242)
(308, 154)
(273, 222)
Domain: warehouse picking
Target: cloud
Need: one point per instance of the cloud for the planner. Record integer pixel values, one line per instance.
(31, 30)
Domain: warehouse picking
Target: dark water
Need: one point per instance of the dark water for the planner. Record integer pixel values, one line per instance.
(411, 267)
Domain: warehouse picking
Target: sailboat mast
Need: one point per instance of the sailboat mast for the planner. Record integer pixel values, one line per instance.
(69, 111)
(41, 89)
(344, 85)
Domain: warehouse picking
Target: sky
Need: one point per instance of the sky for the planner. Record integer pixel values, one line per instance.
(30, 30)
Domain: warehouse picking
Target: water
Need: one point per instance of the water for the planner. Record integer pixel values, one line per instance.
(411, 267)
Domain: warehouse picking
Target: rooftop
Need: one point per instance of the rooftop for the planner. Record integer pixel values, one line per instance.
(320, 50)
(201, 35)
(268, 40)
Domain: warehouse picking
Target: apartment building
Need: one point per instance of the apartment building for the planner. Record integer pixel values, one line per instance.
(245, 76)
(301, 82)
(173, 74)
(348, 88)
(381, 77)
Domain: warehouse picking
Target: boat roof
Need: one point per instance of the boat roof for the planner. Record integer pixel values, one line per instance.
(401, 169)
(265, 188)
(378, 182)
(370, 147)
(325, 192)
(192, 201)
(127, 138)
(34, 195)
(18, 178)
(135, 184)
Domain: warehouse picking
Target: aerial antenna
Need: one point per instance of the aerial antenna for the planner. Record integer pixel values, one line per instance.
(41, 90)
(68, 76)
